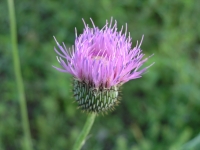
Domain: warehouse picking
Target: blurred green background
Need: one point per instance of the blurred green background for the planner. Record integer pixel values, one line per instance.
(160, 111)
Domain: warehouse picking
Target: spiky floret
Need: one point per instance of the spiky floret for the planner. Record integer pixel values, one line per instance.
(101, 60)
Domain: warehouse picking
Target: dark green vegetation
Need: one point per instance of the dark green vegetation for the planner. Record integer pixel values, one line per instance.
(158, 111)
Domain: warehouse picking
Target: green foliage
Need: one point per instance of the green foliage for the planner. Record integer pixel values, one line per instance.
(158, 111)
(194, 144)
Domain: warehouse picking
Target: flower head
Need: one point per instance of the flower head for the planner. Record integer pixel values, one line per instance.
(100, 61)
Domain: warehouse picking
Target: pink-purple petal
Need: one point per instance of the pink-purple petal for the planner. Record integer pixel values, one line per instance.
(103, 57)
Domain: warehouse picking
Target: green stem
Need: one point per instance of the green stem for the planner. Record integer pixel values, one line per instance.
(81, 139)
(19, 81)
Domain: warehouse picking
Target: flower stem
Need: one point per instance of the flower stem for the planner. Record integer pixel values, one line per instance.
(81, 139)
(17, 70)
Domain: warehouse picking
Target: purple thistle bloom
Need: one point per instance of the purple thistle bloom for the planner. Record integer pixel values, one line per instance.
(101, 61)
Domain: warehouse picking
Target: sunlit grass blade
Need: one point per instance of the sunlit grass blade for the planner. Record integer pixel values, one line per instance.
(194, 144)
(17, 70)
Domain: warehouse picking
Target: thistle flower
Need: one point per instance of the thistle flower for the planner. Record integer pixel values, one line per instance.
(100, 61)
